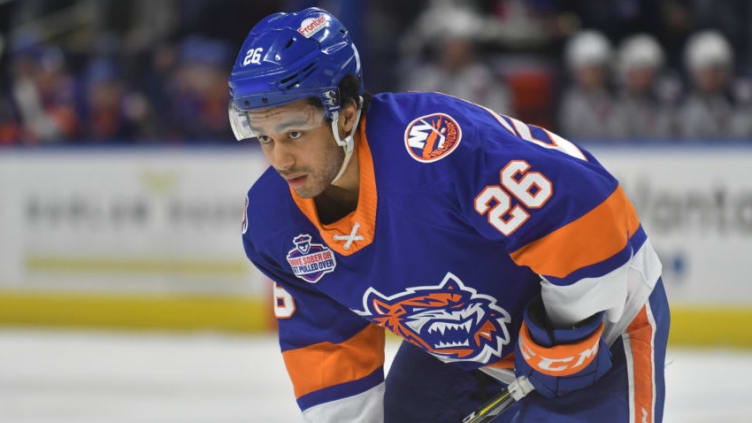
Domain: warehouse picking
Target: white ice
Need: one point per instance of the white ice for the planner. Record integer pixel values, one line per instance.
(99, 377)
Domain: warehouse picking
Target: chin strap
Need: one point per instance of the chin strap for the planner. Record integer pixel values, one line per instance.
(347, 144)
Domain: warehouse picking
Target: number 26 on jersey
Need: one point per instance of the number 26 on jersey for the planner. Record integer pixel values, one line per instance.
(532, 189)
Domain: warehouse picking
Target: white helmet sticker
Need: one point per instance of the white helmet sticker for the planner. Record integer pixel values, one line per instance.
(311, 26)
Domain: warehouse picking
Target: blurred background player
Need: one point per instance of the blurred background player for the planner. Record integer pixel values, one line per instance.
(43, 90)
(587, 107)
(640, 109)
(449, 36)
(709, 110)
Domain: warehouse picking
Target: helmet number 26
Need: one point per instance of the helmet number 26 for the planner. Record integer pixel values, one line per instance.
(253, 55)
(531, 189)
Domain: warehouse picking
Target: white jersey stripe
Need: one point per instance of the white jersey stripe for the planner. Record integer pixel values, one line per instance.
(621, 293)
(651, 320)
(522, 129)
(366, 407)
(501, 120)
(630, 374)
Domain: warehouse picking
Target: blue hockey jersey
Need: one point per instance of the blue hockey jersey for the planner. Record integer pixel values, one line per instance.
(463, 216)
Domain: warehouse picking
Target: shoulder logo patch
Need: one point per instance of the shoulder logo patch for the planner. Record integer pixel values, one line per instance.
(432, 137)
(308, 261)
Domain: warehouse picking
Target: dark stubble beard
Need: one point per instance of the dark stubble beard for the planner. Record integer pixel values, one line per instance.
(323, 180)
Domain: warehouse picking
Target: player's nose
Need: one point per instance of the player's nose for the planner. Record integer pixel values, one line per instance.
(282, 158)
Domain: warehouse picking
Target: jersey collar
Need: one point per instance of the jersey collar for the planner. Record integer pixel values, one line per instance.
(355, 231)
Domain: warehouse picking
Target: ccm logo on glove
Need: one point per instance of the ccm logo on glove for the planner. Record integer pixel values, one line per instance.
(559, 360)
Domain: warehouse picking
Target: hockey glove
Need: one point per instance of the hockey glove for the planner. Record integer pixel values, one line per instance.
(559, 361)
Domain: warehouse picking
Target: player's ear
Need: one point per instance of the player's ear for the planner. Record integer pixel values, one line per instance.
(347, 115)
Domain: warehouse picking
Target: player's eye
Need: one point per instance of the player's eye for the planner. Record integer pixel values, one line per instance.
(263, 139)
(295, 134)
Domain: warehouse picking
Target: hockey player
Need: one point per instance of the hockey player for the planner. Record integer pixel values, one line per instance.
(708, 112)
(587, 106)
(495, 249)
(643, 108)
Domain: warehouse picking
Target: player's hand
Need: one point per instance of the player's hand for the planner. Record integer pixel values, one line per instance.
(559, 361)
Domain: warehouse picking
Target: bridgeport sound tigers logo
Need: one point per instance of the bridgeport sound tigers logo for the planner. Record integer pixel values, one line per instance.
(450, 320)
(432, 137)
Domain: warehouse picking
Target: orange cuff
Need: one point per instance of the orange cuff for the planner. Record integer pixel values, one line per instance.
(559, 360)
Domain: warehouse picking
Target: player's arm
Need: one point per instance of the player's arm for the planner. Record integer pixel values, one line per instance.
(597, 269)
(563, 216)
(333, 357)
(561, 345)
(586, 263)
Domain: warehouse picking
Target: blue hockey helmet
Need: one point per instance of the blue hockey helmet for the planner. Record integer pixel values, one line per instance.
(288, 57)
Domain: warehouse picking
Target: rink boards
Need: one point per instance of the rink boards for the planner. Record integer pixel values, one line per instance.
(150, 238)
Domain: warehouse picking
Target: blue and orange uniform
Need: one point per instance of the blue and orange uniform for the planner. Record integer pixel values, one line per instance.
(464, 217)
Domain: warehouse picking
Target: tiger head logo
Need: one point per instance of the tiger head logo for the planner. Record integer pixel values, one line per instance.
(450, 320)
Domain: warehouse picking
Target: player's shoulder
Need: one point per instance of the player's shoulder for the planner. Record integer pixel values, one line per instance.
(415, 100)
(400, 109)
(433, 135)
(410, 133)
(434, 126)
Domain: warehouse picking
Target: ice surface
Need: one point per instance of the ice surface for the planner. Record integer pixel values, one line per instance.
(98, 377)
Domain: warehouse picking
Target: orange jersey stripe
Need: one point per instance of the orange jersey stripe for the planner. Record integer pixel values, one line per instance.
(326, 364)
(589, 239)
(641, 332)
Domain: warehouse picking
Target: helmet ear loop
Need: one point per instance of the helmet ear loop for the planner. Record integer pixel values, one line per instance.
(347, 144)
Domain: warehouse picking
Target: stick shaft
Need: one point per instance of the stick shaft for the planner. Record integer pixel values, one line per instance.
(491, 409)
(515, 391)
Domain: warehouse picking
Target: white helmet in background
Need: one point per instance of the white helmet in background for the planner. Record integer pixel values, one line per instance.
(639, 51)
(587, 48)
(447, 21)
(708, 48)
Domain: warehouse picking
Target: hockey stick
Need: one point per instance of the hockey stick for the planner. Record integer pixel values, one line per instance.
(514, 392)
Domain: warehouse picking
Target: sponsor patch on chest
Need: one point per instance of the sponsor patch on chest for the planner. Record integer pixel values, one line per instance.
(310, 261)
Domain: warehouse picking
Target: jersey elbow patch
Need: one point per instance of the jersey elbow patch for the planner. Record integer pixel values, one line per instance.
(326, 366)
(592, 238)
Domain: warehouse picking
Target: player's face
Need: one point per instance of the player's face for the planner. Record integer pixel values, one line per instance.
(590, 76)
(298, 142)
(640, 79)
(711, 79)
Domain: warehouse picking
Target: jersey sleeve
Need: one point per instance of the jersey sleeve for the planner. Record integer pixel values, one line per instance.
(561, 214)
(333, 357)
